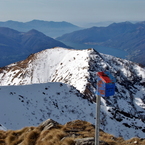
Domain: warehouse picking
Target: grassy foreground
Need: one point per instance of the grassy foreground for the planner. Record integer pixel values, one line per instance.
(61, 135)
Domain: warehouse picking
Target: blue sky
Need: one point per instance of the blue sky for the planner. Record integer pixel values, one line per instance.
(74, 11)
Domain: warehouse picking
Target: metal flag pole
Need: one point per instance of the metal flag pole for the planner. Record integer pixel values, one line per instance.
(105, 88)
(98, 98)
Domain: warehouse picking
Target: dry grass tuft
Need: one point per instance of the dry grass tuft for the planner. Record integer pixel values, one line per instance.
(2, 134)
(68, 141)
(32, 137)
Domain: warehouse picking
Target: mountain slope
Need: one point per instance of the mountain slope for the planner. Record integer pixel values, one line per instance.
(121, 114)
(16, 46)
(29, 105)
(73, 62)
(125, 35)
(98, 35)
(49, 28)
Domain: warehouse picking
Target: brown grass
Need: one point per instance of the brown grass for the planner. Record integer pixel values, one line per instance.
(32, 137)
(68, 141)
(61, 135)
(2, 134)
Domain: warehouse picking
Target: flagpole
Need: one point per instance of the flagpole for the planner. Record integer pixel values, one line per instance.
(98, 98)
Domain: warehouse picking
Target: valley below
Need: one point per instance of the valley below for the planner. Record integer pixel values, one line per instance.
(101, 49)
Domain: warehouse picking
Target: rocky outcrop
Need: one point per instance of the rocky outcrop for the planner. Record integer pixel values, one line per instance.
(85, 141)
(89, 141)
(48, 124)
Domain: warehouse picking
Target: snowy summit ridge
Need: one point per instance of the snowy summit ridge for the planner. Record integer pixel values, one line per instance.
(49, 66)
(60, 84)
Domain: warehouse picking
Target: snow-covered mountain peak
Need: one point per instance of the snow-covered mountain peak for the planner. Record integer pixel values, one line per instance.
(44, 66)
(121, 114)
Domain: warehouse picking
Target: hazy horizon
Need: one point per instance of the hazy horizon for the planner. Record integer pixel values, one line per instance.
(78, 12)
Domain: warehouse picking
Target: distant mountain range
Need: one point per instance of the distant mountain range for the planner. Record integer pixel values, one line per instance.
(16, 46)
(49, 28)
(127, 36)
(60, 84)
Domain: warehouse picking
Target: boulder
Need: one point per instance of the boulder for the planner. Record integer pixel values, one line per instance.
(85, 141)
(88, 141)
(49, 123)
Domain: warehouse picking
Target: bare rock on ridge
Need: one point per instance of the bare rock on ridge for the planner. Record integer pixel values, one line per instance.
(49, 123)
